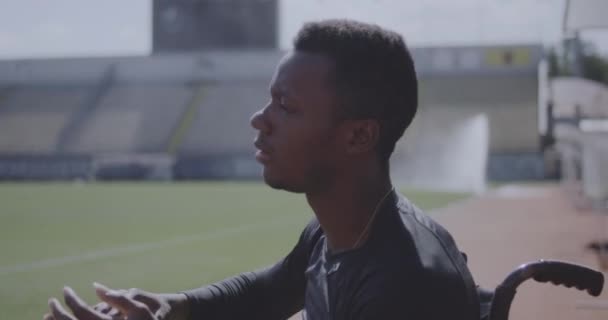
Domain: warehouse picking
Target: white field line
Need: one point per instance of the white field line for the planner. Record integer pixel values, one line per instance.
(135, 248)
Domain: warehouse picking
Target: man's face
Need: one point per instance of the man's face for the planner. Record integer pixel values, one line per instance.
(296, 129)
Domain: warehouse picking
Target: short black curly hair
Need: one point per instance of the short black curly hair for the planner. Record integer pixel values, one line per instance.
(373, 71)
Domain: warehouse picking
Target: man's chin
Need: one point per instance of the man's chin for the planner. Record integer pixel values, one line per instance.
(271, 181)
(279, 184)
(273, 184)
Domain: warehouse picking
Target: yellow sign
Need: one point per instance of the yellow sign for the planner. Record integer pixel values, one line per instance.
(507, 57)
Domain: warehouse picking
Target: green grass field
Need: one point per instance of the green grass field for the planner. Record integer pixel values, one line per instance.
(160, 236)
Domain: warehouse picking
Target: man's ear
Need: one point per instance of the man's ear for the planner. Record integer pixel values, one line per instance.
(362, 135)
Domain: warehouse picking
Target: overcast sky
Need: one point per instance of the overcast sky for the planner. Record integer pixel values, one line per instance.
(34, 28)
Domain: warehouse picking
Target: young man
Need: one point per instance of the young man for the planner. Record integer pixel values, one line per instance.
(339, 102)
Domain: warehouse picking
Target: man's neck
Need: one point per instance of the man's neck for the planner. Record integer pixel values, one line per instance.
(346, 208)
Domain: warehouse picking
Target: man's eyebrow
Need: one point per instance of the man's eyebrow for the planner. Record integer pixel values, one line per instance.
(282, 90)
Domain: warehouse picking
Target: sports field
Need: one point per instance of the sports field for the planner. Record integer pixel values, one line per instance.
(160, 236)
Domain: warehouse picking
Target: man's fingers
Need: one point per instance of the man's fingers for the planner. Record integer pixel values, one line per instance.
(123, 303)
(163, 310)
(149, 299)
(115, 314)
(105, 294)
(102, 307)
(48, 316)
(108, 310)
(80, 309)
(100, 289)
(154, 302)
(58, 312)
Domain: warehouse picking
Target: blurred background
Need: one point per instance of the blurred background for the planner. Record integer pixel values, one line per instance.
(125, 139)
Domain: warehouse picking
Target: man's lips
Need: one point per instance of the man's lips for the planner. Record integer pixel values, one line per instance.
(263, 153)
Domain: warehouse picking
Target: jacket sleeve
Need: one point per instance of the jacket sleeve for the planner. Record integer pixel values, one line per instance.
(275, 292)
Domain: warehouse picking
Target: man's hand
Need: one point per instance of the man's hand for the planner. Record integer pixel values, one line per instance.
(164, 306)
(133, 304)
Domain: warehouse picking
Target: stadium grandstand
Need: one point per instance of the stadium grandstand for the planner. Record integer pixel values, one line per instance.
(183, 111)
(191, 110)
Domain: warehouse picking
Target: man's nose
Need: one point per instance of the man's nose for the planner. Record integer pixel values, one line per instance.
(259, 121)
